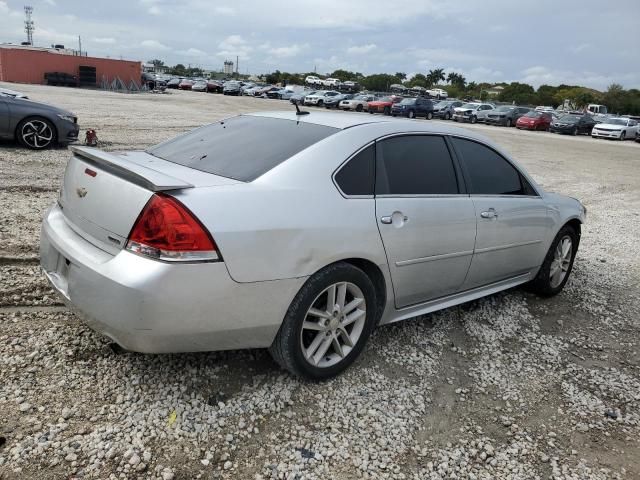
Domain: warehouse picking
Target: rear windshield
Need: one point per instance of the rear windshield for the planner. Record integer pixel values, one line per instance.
(243, 147)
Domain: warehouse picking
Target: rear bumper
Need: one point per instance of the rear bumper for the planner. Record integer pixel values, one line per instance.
(155, 307)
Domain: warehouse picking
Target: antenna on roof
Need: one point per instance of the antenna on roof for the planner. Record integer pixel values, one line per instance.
(300, 112)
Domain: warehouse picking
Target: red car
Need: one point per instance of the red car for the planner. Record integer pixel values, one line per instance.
(383, 105)
(534, 121)
(185, 84)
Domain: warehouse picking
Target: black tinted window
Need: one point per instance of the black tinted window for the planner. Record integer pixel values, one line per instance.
(489, 173)
(356, 176)
(242, 148)
(415, 165)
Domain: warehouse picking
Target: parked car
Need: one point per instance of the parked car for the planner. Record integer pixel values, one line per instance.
(619, 128)
(232, 88)
(185, 84)
(469, 111)
(331, 82)
(262, 92)
(174, 82)
(535, 120)
(413, 107)
(638, 136)
(214, 86)
(506, 115)
(383, 105)
(312, 80)
(437, 93)
(298, 98)
(319, 97)
(333, 102)
(349, 86)
(573, 124)
(444, 108)
(203, 233)
(36, 125)
(357, 103)
(199, 86)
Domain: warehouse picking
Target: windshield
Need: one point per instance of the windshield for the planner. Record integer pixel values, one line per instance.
(362, 97)
(568, 119)
(504, 108)
(616, 121)
(265, 143)
(470, 105)
(533, 114)
(443, 104)
(407, 101)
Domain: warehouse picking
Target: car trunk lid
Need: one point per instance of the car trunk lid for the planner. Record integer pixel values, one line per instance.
(103, 193)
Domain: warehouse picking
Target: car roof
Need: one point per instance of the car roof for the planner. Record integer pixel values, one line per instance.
(345, 120)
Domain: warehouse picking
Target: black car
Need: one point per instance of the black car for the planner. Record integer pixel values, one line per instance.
(414, 107)
(506, 115)
(444, 108)
(36, 125)
(174, 82)
(573, 124)
(333, 102)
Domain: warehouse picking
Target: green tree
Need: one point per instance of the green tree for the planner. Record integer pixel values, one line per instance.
(418, 80)
(379, 82)
(615, 98)
(434, 76)
(179, 70)
(456, 79)
(156, 62)
(401, 76)
(520, 93)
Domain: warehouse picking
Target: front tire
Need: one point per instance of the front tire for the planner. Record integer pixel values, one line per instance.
(429, 115)
(36, 133)
(558, 263)
(327, 324)
(411, 114)
(622, 136)
(359, 108)
(447, 116)
(474, 119)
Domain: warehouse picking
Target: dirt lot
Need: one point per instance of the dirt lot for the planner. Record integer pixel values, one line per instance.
(511, 386)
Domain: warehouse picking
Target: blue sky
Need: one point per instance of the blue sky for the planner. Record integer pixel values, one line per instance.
(587, 42)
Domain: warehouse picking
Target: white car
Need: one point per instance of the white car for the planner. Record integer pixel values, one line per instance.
(437, 93)
(312, 80)
(331, 82)
(619, 128)
(319, 97)
(469, 111)
(358, 103)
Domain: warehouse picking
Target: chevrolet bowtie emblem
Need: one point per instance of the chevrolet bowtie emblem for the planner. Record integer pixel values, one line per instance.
(81, 191)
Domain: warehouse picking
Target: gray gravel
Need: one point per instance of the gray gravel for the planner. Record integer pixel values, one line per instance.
(511, 386)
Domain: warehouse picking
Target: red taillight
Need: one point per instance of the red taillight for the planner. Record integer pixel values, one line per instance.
(167, 230)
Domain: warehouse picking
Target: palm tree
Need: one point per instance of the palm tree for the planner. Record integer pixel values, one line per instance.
(436, 75)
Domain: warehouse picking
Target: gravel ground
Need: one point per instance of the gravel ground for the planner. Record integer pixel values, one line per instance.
(511, 386)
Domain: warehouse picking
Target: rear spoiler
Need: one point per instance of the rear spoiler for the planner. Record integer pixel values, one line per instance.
(135, 173)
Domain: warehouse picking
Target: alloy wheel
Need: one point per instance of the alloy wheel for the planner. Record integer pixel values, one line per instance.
(333, 324)
(36, 134)
(561, 261)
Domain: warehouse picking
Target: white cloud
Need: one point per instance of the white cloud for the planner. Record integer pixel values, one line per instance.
(234, 45)
(153, 44)
(222, 10)
(361, 49)
(192, 52)
(51, 2)
(104, 40)
(290, 51)
(579, 48)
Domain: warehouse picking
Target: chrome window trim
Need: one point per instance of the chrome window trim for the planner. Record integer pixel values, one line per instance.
(422, 195)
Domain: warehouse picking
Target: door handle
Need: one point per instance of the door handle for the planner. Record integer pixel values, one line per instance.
(491, 213)
(396, 218)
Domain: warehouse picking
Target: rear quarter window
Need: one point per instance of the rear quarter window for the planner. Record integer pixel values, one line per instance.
(242, 148)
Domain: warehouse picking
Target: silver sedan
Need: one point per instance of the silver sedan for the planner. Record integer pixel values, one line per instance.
(299, 233)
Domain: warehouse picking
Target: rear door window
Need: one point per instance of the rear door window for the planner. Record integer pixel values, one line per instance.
(356, 176)
(243, 147)
(488, 172)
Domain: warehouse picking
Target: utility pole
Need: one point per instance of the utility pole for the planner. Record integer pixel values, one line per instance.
(28, 23)
(237, 68)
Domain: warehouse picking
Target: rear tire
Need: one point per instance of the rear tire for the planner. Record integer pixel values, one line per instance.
(293, 348)
(558, 262)
(574, 132)
(359, 108)
(411, 114)
(447, 116)
(387, 110)
(508, 122)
